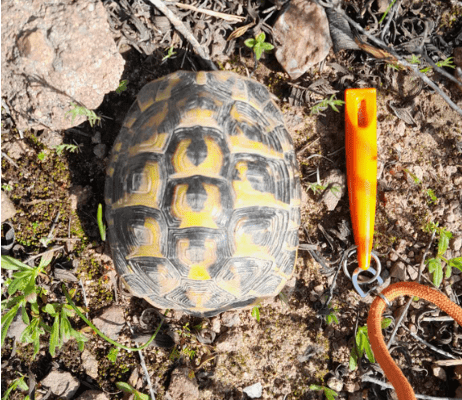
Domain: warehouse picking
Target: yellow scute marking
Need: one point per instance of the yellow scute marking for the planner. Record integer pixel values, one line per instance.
(166, 282)
(247, 196)
(151, 249)
(232, 286)
(211, 166)
(241, 143)
(167, 92)
(155, 144)
(201, 78)
(129, 122)
(188, 217)
(198, 272)
(198, 298)
(157, 119)
(199, 116)
(149, 189)
(246, 247)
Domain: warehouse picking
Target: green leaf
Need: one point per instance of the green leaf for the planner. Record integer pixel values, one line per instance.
(21, 384)
(99, 219)
(434, 266)
(30, 292)
(443, 243)
(17, 284)
(267, 46)
(353, 361)
(11, 263)
(258, 52)
(261, 37)
(456, 263)
(250, 43)
(54, 338)
(316, 387)
(125, 387)
(330, 394)
(112, 356)
(386, 322)
(51, 309)
(141, 396)
(25, 316)
(65, 327)
(448, 273)
(256, 313)
(7, 319)
(369, 352)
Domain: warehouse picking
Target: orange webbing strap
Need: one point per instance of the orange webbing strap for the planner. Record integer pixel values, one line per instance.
(395, 376)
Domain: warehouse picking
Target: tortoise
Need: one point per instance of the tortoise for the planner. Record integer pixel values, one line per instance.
(203, 194)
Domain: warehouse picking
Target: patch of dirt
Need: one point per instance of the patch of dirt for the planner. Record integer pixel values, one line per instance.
(292, 346)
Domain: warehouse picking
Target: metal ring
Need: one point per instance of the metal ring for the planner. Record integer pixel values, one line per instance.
(377, 272)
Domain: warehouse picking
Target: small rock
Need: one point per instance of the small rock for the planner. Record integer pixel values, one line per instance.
(62, 384)
(8, 209)
(352, 387)
(229, 341)
(382, 5)
(400, 128)
(90, 364)
(93, 395)
(412, 328)
(216, 325)
(319, 289)
(183, 385)
(413, 273)
(99, 150)
(254, 391)
(398, 271)
(79, 195)
(230, 319)
(456, 244)
(439, 372)
(458, 373)
(96, 138)
(17, 327)
(336, 188)
(51, 139)
(111, 322)
(15, 150)
(302, 37)
(335, 384)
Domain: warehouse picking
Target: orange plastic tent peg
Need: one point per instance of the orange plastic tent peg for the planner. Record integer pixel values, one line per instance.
(361, 158)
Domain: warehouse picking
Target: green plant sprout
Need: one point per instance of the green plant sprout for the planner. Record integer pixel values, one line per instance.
(122, 87)
(387, 11)
(41, 156)
(329, 393)
(113, 353)
(323, 105)
(17, 383)
(256, 312)
(363, 346)
(127, 388)
(170, 53)
(101, 226)
(7, 188)
(432, 195)
(435, 265)
(258, 45)
(77, 110)
(332, 316)
(448, 62)
(72, 148)
(189, 352)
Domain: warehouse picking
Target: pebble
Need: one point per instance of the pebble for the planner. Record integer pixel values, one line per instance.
(183, 385)
(17, 327)
(398, 271)
(254, 391)
(111, 322)
(439, 372)
(61, 384)
(99, 150)
(90, 364)
(335, 384)
(230, 319)
(8, 208)
(336, 188)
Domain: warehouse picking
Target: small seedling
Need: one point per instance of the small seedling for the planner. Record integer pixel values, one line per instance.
(41, 156)
(72, 148)
(170, 54)
(435, 265)
(113, 353)
(432, 195)
(17, 383)
(322, 105)
(7, 188)
(258, 45)
(125, 387)
(101, 226)
(189, 352)
(332, 316)
(89, 114)
(256, 312)
(329, 393)
(448, 62)
(122, 87)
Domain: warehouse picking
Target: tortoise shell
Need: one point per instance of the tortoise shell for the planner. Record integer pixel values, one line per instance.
(203, 194)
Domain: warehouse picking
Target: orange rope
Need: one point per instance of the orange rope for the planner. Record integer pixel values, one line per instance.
(395, 376)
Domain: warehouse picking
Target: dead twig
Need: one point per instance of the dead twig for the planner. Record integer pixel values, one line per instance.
(9, 160)
(442, 352)
(226, 17)
(179, 26)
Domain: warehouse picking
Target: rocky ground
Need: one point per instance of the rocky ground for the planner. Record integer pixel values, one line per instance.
(53, 196)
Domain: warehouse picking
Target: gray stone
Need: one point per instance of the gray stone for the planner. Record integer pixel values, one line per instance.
(17, 327)
(254, 391)
(90, 364)
(51, 139)
(62, 384)
(111, 322)
(79, 195)
(16, 149)
(302, 37)
(439, 372)
(336, 188)
(335, 384)
(55, 53)
(99, 150)
(398, 271)
(229, 341)
(230, 319)
(8, 209)
(183, 385)
(93, 395)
